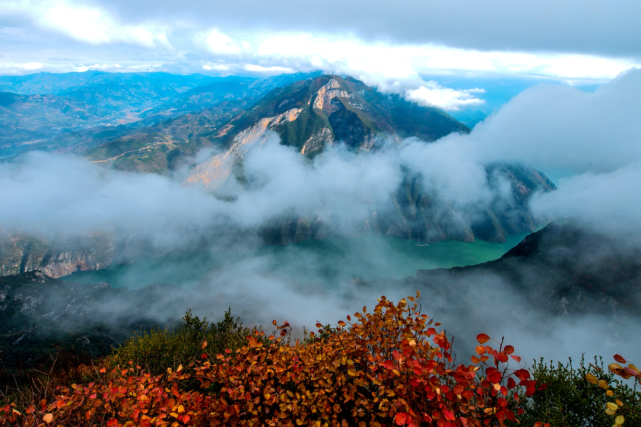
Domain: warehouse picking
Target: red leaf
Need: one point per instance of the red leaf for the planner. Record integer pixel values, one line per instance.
(508, 349)
(522, 374)
(619, 359)
(482, 338)
(400, 418)
(511, 383)
(494, 377)
(448, 415)
(517, 358)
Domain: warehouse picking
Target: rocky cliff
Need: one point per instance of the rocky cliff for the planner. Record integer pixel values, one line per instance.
(20, 253)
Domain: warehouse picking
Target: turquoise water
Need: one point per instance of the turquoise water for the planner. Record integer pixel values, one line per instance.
(328, 262)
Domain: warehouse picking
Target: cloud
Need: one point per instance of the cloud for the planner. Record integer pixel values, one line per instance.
(272, 70)
(559, 127)
(377, 44)
(87, 24)
(435, 95)
(219, 43)
(14, 68)
(597, 27)
(608, 202)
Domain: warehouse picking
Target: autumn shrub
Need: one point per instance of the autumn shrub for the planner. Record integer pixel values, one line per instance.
(570, 400)
(623, 407)
(386, 367)
(157, 350)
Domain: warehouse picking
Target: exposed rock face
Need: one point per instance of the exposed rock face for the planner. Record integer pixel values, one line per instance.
(214, 172)
(21, 253)
(325, 94)
(317, 142)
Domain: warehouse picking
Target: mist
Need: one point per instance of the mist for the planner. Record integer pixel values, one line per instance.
(595, 137)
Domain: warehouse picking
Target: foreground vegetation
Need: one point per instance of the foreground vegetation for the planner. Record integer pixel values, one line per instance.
(387, 367)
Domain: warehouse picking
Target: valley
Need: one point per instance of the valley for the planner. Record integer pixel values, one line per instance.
(325, 263)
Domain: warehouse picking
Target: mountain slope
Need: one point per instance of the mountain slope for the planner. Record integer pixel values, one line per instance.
(26, 120)
(561, 269)
(312, 113)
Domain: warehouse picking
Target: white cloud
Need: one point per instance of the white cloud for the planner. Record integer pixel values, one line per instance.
(219, 43)
(86, 24)
(435, 95)
(348, 53)
(15, 68)
(273, 69)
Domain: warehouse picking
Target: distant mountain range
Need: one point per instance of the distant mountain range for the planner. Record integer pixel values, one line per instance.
(112, 102)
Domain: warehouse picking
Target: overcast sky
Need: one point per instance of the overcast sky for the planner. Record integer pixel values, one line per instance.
(380, 41)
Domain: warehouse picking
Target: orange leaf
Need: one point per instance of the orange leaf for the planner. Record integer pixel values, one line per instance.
(48, 418)
(482, 338)
(480, 349)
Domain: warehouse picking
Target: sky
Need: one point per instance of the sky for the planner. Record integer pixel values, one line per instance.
(399, 47)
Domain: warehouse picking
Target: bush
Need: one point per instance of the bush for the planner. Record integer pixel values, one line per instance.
(388, 367)
(157, 350)
(572, 401)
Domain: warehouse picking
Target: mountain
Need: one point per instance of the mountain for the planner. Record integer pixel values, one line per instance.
(561, 269)
(20, 253)
(28, 120)
(311, 114)
(122, 104)
(306, 114)
(40, 315)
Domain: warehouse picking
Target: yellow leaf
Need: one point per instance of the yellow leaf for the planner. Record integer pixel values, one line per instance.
(619, 419)
(180, 368)
(612, 406)
(610, 412)
(603, 384)
(609, 393)
(591, 378)
(618, 402)
(398, 374)
(48, 418)
(181, 409)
